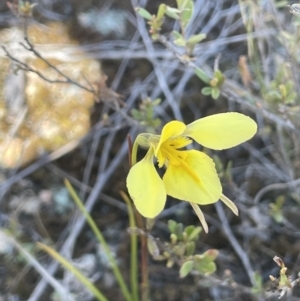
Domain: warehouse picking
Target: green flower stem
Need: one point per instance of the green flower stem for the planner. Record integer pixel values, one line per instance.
(101, 239)
(77, 273)
(133, 250)
(144, 260)
(141, 140)
(134, 153)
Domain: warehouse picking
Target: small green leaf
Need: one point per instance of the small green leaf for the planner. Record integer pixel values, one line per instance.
(189, 229)
(176, 35)
(173, 238)
(179, 230)
(156, 102)
(186, 268)
(180, 42)
(273, 94)
(143, 13)
(161, 11)
(206, 90)
(210, 255)
(172, 225)
(215, 93)
(190, 248)
(195, 233)
(178, 39)
(221, 78)
(205, 267)
(187, 10)
(195, 39)
(202, 75)
(172, 12)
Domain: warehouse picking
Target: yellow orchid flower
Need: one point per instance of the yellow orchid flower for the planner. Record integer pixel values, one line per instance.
(190, 174)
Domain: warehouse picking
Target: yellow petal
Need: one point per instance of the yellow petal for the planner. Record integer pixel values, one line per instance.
(179, 142)
(194, 180)
(146, 188)
(171, 130)
(221, 131)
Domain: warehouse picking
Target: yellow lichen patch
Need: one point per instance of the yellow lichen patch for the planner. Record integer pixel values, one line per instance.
(60, 112)
(57, 113)
(50, 33)
(19, 152)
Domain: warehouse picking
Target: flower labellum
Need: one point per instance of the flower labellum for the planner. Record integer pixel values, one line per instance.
(190, 175)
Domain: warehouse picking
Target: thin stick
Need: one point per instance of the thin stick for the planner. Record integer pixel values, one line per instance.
(144, 260)
(133, 249)
(39, 268)
(234, 243)
(98, 234)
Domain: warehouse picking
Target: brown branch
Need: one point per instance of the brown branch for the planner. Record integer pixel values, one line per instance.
(25, 67)
(30, 47)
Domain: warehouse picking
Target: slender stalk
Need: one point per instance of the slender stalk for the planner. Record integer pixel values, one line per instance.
(77, 273)
(134, 149)
(144, 260)
(101, 239)
(129, 141)
(144, 239)
(58, 287)
(133, 249)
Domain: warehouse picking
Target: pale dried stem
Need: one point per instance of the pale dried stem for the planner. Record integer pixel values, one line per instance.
(200, 215)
